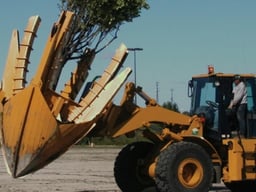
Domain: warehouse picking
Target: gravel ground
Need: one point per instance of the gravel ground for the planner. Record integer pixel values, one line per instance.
(78, 170)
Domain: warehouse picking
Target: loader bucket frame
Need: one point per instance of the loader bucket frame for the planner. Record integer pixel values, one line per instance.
(37, 123)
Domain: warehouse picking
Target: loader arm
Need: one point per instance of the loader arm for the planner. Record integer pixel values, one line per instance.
(128, 117)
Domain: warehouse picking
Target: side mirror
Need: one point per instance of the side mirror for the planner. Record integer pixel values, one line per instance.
(190, 88)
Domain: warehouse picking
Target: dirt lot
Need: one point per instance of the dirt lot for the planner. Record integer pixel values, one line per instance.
(78, 170)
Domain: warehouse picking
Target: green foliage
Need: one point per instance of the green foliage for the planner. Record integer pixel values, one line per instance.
(170, 105)
(108, 14)
(98, 19)
(121, 140)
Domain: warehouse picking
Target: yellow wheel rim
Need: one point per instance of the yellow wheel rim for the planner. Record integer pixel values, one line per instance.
(190, 172)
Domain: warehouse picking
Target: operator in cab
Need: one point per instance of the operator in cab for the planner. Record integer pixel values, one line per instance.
(239, 104)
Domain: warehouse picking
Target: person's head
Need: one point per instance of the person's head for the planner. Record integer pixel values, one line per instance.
(237, 79)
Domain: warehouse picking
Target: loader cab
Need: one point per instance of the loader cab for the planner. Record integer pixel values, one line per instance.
(210, 96)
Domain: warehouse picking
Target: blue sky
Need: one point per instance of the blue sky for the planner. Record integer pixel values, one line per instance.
(180, 38)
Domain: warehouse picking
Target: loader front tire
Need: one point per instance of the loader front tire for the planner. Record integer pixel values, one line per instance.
(127, 169)
(184, 167)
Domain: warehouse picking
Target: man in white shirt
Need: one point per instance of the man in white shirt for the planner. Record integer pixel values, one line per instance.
(239, 102)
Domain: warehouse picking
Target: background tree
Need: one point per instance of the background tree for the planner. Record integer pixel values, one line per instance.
(95, 26)
(171, 105)
(97, 23)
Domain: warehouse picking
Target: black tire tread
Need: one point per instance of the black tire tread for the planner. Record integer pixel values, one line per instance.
(167, 180)
(125, 167)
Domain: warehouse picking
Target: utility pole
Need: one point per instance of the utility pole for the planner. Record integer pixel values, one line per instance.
(172, 96)
(134, 67)
(157, 91)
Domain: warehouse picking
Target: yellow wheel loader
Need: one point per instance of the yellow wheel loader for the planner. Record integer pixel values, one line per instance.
(179, 152)
(185, 152)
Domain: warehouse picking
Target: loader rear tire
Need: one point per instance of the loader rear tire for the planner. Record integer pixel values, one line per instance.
(127, 170)
(184, 167)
